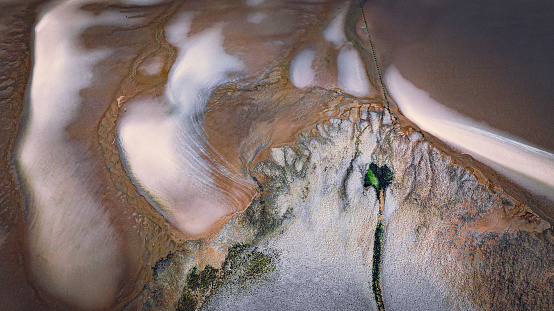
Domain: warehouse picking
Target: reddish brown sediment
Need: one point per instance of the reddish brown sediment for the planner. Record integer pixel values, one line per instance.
(243, 121)
(259, 122)
(17, 290)
(489, 76)
(286, 27)
(359, 36)
(295, 36)
(257, 128)
(141, 246)
(269, 111)
(156, 237)
(151, 238)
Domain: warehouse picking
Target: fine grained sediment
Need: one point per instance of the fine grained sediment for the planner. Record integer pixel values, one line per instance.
(449, 241)
(16, 21)
(450, 233)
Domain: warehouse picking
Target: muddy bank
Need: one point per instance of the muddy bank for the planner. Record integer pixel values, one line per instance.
(16, 20)
(510, 171)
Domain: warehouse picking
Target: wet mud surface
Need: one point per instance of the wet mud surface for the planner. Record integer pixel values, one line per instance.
(280, 147)
(489, 61)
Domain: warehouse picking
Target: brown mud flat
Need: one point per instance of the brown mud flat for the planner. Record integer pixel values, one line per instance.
(17, 290)
(356, 32)
(489, 61)
(257, 128)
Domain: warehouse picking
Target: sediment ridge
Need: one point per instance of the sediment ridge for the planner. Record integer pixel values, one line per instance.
(442, 234)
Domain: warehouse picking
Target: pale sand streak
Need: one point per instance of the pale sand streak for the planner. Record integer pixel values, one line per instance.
(301, 72)
(352, 74)
(256, 18)
(73, 249)
(163, 139)
(334, 32)
(529, 166)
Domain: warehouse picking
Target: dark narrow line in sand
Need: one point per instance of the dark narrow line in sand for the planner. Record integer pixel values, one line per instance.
(385, 94)
(379, 178)
(377, 254)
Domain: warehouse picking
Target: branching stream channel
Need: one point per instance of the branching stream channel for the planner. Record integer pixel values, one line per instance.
(378, 177)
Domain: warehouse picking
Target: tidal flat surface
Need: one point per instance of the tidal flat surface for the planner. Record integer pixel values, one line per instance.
(215, 155)
(488, 60)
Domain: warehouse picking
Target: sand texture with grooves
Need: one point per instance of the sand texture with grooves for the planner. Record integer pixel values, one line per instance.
(449, 242)
(457, 236)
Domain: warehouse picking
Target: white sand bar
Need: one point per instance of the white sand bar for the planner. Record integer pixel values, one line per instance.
(528, 166)
(163, 142)
(301, 72)
(352, 74)
(74, 253)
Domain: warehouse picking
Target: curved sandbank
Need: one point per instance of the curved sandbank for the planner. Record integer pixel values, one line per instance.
(525, 164)
(488, 60)
(70, 238)
(163, 142)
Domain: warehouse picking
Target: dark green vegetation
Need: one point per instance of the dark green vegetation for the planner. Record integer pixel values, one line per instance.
(370, 179)
(243, 263)
(203, 280)
(261, 215)
(162, 264)
(377, 252)
(378, 177)
(187, 302)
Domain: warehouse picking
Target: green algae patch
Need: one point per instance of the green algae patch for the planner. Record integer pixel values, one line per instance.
(370, 179)
(378, 177)
(244, 265)
(376, 273)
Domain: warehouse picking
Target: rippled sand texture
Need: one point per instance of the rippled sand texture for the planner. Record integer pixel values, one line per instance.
(449, 243)
(156, 136)
(121, 89)
(16, 24)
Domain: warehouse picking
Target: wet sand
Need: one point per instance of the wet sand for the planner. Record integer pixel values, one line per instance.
(16, 290)
(491, 61)
(54, 265)
(257, 108)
